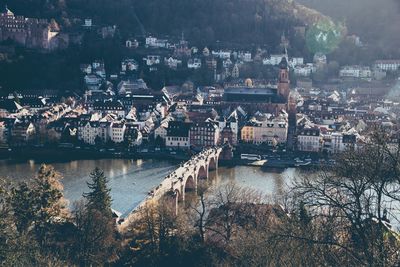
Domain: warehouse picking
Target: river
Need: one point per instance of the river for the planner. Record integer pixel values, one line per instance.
(130, 180)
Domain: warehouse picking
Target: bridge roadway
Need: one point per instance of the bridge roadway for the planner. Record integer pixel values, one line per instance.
(182, 180)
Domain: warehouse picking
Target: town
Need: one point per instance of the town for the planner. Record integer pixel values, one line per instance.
(199, 133)
(287, 114)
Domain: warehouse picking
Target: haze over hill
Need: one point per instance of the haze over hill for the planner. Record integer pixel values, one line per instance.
(375, 21)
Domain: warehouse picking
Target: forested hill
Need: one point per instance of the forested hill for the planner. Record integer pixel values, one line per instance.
(202, 21)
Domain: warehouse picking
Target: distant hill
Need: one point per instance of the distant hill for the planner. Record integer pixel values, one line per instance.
(202, 21)
(375, 21)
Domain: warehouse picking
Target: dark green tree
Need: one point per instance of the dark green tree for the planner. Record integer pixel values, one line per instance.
(99, 196)
(95, 243)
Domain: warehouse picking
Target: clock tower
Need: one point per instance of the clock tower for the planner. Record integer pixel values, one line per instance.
(284, 82)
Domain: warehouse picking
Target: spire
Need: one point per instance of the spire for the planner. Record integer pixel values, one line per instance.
(283, 64)
(284, 43)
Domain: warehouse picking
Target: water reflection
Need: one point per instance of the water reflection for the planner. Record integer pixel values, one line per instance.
(131, 180)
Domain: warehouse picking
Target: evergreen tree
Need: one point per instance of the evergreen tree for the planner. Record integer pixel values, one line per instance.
(96, 239)
(99, 196)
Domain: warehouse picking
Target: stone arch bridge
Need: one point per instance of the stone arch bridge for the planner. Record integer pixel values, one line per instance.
(183, 179)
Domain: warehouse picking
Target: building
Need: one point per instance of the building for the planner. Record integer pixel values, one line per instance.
(361, 72)
(161, 131)
(204, 134)
(132, 135)
(235, 71)
(266, 130)
(283, 80)
(22, 132)
(28, 32)
(130, 86)
(264, 98)
(309, 140)
(151, 60)
(172, 63)
(244, 56)
(93, 81)
(109, 106)
(222, 54)
(129, 65)
(194, 63)
(154, 42)
(296, 61)
(387, 65)
(88, 131)
(274, 59)
(178, 135)
(3, 132)
(117, 132)
(304, 70)
(132, 44)
(229, 129)
(182, 48)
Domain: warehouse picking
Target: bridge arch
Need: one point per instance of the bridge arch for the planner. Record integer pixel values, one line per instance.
(190, 184)
(212, 164)
(202, 173)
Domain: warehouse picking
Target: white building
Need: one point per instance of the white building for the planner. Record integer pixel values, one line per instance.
(388, 65)
(88, 131)
(154, 42)
(304, 70)
(3, 132)
(129, 65)
(178, 135)
(309, 140)
(245, 56)
(274, 59)
(296, 61)
(172, 62)
(117, 131)
(152, 60)
(355, 71)
(131, 43)
(223, 54)
(271, 131)
(194, 63)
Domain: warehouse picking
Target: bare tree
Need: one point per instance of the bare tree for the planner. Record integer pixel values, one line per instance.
(348, 205)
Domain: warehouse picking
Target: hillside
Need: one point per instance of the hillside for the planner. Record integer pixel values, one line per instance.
(376, 22)
(240, 24)
(202, 21)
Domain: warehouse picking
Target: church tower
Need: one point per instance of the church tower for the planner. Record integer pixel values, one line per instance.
(284, 82)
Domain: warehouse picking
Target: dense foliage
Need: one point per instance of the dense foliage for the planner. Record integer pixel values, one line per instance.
(203, 21)
(335, 217)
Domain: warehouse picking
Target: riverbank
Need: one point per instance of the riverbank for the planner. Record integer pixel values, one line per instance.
(49, 155)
